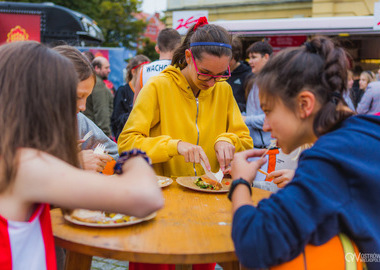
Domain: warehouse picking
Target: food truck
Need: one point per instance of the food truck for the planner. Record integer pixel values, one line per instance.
(359, 35)
(54, 25)
(47, 23)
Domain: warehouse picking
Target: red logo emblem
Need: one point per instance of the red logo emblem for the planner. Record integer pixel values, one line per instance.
(17, 34)
(187, 24)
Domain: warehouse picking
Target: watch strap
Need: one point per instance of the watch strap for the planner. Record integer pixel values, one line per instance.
(237, 182)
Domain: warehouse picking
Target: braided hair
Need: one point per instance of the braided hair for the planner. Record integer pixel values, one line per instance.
(321, 67)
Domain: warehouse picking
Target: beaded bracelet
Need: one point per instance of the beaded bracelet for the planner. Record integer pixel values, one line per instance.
(118, 169)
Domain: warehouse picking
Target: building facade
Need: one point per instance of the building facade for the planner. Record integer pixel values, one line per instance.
(259, 9)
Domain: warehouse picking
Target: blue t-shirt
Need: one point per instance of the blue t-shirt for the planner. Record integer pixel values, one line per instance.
(336, 188)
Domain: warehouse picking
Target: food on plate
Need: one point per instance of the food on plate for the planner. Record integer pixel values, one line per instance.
(99, 217)
(207, 183)
(163, 181)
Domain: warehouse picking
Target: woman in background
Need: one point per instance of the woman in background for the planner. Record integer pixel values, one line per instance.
(366, 77)
(123, 101)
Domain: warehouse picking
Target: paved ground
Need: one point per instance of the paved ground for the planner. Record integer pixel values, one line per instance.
(99, 263)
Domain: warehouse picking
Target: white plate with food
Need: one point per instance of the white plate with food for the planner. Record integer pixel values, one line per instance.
(102, 219)
(203, 184)
(164, 181)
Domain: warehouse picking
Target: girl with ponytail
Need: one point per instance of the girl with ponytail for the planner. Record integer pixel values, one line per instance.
(335, 188)
(187, 114)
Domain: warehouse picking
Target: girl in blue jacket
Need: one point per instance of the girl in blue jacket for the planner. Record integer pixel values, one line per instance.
(336, 186)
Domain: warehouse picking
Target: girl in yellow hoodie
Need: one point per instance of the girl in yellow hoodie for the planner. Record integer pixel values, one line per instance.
(188, 113)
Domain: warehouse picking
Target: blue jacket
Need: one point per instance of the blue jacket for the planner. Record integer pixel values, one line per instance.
(336, 188)
(84, 126)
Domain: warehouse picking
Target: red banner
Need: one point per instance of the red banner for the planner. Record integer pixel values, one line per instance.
(19, 27)
(286, 41)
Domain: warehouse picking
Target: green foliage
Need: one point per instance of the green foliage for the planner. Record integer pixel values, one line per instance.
(119, 26)
(114, 17)
(148, 49)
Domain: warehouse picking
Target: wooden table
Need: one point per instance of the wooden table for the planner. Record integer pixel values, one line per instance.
(193, 227)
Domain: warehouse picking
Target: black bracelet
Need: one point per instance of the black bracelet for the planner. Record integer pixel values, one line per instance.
(118, 169)
(237, 182)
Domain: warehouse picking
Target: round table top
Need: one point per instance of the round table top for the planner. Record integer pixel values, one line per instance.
(193, 227)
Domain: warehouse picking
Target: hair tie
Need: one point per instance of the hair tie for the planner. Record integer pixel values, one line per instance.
(335, 97)
(219, 44)
(139, 65)
(310, 47)
(201, 21)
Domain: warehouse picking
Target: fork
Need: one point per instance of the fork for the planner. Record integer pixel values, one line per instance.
(99, 149)
(271, 145)
(87, 136)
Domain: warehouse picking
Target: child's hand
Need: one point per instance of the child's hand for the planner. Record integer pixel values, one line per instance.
(281, 177)
(80, 142)
(93, 162)
(242, 168)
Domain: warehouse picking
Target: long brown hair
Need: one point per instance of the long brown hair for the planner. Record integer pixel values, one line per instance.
(133, 63)
(204, 33)
(81, 63)
(320, 66)
(37, 105)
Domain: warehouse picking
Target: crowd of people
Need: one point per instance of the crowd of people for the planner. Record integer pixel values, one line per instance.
(199, 103)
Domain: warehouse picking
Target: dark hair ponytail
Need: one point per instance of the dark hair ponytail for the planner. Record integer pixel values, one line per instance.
(321, 67)
(204, 33)
(333, 85)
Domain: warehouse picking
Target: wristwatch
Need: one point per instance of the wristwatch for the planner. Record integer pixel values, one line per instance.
(237, 182)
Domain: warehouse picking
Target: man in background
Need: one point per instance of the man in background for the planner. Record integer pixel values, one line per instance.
(99, 105)
(258, 53)
(168, 41)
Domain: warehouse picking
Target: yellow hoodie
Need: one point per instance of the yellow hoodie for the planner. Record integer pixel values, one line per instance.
(166, 112)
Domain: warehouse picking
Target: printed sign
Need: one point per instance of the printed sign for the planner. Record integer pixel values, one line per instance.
(183, 20)
(376, 16)
(286, 41)
(19, 27)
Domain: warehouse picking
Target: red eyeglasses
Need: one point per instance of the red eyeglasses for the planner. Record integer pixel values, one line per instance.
(206, 77)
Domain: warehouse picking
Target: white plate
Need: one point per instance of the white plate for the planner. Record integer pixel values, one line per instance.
(109, 225)
(166, 181)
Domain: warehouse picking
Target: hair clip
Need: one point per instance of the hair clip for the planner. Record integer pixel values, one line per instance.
(201, 21)
(310, 47)
(336, 96)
